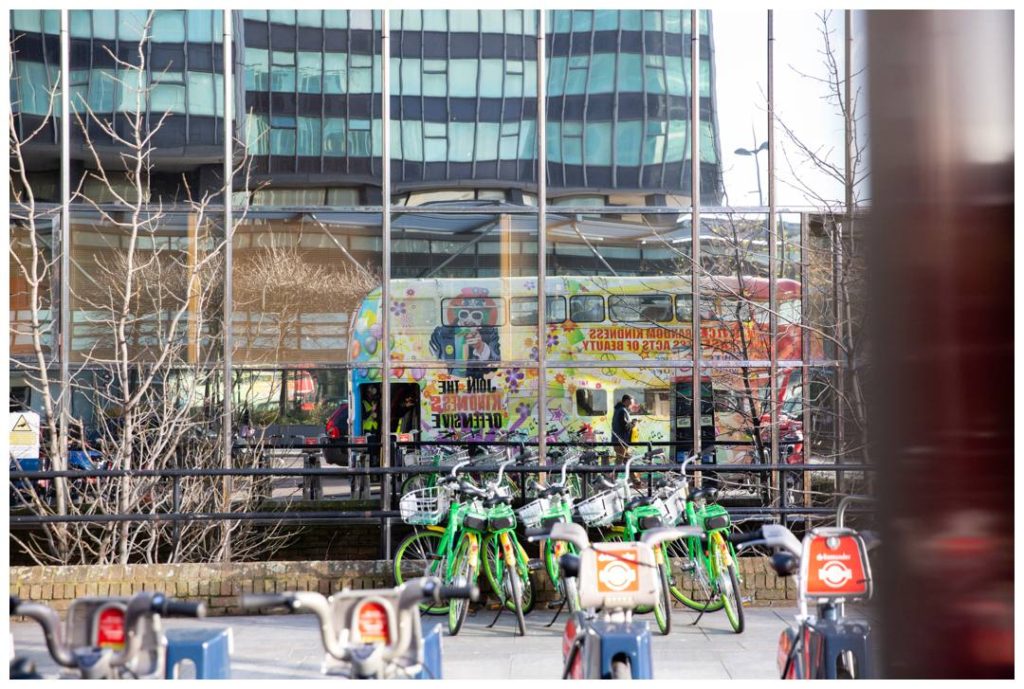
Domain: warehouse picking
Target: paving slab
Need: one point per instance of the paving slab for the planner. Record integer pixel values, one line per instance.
(288, 646)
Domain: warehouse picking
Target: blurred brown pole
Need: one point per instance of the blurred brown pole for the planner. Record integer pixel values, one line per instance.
(941, 284)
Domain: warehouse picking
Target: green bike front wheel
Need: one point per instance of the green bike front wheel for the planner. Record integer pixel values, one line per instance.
(462, 575)
(420, 555)
(690, 581)
(663, 608)
(494, 571)
(732, 597)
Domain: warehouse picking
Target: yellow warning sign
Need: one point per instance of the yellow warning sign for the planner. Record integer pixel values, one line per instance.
(24, 435)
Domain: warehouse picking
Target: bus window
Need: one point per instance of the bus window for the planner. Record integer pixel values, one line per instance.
(647, 401)
(684, 308)
(586, 308)
(591, 402)
(736, 310)
(523, 310)
(472, 311)
(640, 307)
(417, 312)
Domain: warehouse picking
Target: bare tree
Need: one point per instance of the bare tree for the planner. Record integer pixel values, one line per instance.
(146, 290)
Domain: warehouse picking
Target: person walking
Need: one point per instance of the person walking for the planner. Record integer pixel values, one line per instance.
(622, 427)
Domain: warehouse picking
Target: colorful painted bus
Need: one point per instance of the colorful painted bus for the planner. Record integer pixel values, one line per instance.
(463, 352)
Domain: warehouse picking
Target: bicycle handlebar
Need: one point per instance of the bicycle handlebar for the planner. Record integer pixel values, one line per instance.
(266, 600)
(171, 607)
(50, 622)
(741, 538)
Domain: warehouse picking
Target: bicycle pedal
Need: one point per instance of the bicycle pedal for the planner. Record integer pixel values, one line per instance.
(552, 604)
(534, 564)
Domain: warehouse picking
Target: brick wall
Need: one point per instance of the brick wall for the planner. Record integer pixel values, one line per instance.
(219, 586)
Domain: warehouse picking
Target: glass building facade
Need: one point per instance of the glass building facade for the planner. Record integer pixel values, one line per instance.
(440, 258)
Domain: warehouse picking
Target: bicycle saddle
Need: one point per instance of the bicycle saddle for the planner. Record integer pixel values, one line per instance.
(709, 494)
(639, 501)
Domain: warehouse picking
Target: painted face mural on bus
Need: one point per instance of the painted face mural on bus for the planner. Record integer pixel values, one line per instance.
(469, 331)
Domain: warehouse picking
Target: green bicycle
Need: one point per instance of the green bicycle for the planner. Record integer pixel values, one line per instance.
(555, 505)
(489, 524)
(710, 561)
(427, 553)
(639, 515)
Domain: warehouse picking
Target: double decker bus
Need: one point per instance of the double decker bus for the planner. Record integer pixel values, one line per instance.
(464, 351)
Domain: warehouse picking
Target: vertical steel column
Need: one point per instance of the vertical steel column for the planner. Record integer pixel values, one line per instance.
(773, 240)
(385, 288)
(542, 207)
(805, 350)
(847, 216)
(695, 386)
(229, 233)
(65, 255)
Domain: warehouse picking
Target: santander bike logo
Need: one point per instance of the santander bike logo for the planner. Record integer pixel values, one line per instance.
(617, 573)
(835, 574)
(836, 567)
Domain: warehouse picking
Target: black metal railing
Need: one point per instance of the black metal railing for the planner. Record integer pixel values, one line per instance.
(393, 476)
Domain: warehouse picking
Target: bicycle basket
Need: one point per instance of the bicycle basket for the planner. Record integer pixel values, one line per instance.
(531, 513)
(424, 506)
(602, 509)
(501, 517)
(474, 519)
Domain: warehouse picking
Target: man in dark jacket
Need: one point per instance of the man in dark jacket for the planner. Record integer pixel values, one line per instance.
(622, 427)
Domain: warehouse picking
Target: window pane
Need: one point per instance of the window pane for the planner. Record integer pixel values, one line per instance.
(462, 20)
(487, 140)
(200, 25)
(463, 78)
(257, 69)
(283, 16)
(282, 142)
(646, 308)
(627, 143)
(169, 26)
(335, 75)
(310, 70)
(591, 402)
(336, 19)
(599, 143)
(334, 136)
(130, 24)
(309, 136)
(104, 23)
(586, 309)
(200, 94)
(167, 98)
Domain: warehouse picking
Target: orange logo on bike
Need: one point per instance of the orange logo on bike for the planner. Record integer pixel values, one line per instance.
(618, 573)
(835, 567)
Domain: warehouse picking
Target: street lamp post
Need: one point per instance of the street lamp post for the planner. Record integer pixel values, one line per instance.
(757, 164)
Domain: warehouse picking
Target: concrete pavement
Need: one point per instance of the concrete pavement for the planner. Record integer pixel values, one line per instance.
(288, 646)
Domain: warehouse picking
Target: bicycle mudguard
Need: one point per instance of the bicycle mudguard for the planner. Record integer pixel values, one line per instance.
(436, 527)
(208, 649)
(623, 639)
(829, 640)
(431, 653)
